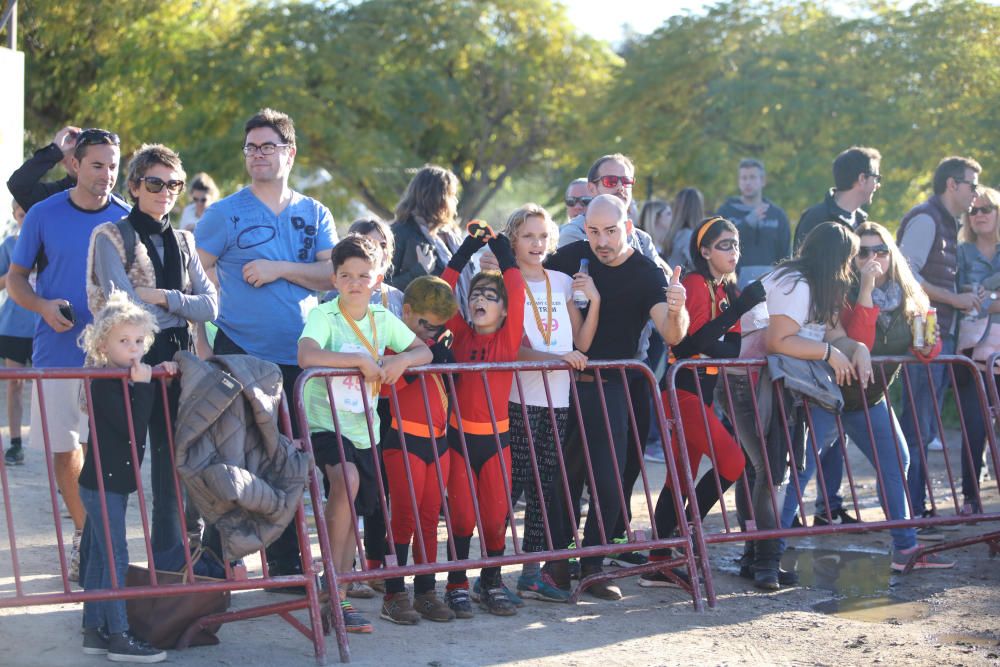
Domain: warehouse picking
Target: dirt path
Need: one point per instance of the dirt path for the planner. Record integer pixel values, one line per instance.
(932, 618)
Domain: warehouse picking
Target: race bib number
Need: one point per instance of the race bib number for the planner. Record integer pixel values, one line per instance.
(347, 390)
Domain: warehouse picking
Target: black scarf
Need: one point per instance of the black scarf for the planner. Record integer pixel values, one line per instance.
(167, 270)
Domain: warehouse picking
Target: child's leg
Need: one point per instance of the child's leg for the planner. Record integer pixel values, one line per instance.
(463, 517)
(110, 614)
(402, 514)
(338, 513)
(15, 407)
(430, 509)
(492, 497)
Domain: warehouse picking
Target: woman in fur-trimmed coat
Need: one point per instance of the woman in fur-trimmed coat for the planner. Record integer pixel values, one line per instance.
(158, 267)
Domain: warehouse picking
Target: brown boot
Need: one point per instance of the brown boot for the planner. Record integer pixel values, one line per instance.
(605, 590)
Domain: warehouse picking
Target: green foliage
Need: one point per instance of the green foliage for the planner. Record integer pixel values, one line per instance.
(499, 90)
(794, 84)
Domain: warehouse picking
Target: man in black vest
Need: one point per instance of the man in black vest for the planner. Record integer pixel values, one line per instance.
(928, 238)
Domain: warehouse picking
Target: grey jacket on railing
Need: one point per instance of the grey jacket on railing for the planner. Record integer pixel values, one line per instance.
(241, 473)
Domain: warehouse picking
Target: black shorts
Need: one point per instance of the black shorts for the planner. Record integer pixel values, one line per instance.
(327, 453)
(16, 349)
(419, 446)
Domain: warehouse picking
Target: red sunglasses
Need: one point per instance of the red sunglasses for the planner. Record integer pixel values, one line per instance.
(613, 181)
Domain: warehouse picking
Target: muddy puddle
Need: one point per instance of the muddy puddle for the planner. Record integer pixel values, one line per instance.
(860, 580)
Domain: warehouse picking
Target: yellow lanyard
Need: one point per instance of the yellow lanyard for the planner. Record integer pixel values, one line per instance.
(372, 346)
(547, 330)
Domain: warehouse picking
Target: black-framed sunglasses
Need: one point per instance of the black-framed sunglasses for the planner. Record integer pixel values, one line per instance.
(976, 210)
(94, 136)
(973, 185)
(578, 201)
(267, 148)
(881, 250)
(877, 177)
(154, 185)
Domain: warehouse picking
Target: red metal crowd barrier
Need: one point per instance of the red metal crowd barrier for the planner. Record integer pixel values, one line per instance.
(631, 376)
(238, 580)
(779, 453)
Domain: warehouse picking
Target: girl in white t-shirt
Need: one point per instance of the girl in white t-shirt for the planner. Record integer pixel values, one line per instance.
(552, 326)
(804, 298)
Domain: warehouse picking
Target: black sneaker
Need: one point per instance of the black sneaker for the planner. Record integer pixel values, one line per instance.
(842, 515)
(458, 601)
(95, 641)
(626, 558)
(785, 577)
(659, 580)
(14, 456)
(495, 601)
(126, 647)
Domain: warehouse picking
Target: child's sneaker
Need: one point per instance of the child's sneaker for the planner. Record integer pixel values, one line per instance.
(511, 595)
(360, 590)
(541, 587)
(496, 601)
(659, 580)
(626, 558)
(396, 607)
(353, 620)
(15, 455)
(432, 608)
(126, 647)
(95, 641)
(458, 601)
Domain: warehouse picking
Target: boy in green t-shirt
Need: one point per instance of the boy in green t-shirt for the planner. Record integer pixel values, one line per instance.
(348, 332)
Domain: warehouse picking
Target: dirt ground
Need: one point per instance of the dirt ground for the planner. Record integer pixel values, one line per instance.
(926, 618)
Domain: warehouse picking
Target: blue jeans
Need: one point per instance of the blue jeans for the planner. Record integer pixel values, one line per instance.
(109, 614)
(892, 493)
(832, 461)
(926, 420)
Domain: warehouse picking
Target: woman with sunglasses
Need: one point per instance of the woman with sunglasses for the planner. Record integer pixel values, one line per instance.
(688, 211)
(979, 334)
(158, 267)
(714, 332)
(883, 301)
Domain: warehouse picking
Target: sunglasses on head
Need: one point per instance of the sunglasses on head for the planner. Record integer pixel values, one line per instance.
(976, 210)
(613, 181)
(578, 201)
(94, 136)
(154, 185)
(881, 250)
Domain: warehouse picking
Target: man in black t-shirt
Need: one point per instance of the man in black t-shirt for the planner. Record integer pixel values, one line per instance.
(633, 290)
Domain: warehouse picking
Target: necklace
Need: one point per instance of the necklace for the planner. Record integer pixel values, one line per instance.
(546, 331)
(372, 346)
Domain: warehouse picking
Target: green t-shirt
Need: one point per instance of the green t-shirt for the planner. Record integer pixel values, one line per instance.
(328, 327)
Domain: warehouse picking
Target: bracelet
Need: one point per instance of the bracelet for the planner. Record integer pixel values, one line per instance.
(829, 349)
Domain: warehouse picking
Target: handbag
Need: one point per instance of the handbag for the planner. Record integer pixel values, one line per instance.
(162, 620)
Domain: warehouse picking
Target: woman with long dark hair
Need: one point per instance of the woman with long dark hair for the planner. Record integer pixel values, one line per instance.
(688, 212)
(715, 310)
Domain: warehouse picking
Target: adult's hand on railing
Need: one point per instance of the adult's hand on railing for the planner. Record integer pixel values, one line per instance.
(843, 369)
(862, 361)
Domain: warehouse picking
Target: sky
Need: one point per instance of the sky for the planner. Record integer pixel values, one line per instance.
(594, 18)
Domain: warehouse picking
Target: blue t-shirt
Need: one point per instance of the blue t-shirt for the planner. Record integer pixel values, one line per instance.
(57, 226)
(265, 321)
(14, 320)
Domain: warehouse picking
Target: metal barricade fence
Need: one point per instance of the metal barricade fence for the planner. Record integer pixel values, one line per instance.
(604, 427)
(779, 447)
(236, 579)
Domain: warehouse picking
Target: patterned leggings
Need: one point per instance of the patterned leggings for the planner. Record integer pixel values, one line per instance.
(543, 439)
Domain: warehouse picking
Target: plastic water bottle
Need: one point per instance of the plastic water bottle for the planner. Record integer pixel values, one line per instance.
(579, 298)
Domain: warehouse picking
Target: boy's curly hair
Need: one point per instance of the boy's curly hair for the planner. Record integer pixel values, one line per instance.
(119, 309)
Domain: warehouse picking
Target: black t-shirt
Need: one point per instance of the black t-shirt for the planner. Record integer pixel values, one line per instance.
(628, 292)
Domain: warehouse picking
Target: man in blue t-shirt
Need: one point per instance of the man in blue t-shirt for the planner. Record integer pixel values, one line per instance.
(54, 240)
(268, 248)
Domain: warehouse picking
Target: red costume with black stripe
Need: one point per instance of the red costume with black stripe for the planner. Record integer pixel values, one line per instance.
(485, 437)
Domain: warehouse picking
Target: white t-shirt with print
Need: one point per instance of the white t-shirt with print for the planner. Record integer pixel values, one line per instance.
(560, 341)
(787, 295)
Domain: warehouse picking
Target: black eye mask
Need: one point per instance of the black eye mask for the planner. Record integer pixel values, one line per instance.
(488, 293)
